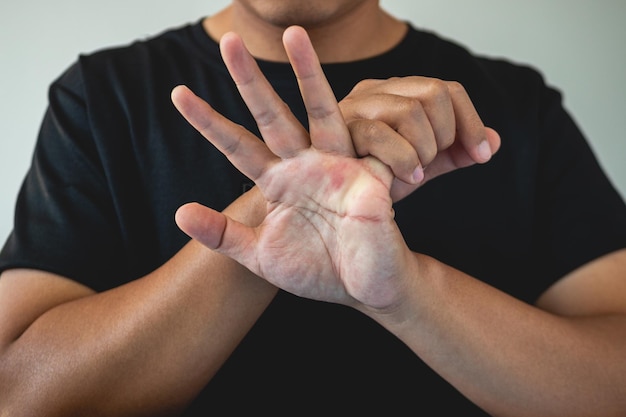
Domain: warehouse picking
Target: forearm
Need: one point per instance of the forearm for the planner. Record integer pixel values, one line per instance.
(511, 358)
(139, 349)
(154, 341)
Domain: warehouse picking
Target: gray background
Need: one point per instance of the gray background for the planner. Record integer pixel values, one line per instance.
(578, 46)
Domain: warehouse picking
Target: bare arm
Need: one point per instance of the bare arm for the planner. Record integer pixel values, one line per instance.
(148, 347)
(566, 356)
(145, 348)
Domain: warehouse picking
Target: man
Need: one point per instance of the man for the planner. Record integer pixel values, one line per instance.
(497, 287)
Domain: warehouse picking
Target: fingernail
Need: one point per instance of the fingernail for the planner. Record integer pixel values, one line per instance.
(484, 151)
(418, 175)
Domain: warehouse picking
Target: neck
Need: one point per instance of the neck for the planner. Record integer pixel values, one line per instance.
(359, 33)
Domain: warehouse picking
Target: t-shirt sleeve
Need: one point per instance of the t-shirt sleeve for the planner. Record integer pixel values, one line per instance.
(581, 216)
(65, 220)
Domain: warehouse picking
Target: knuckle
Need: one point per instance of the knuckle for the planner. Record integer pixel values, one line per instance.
(270, 114)
(427, 153)
(407, 156)
(319, 112)
(444, 142)
(230, 148)
(368, 136)
(364, 106)
(438, 91)
(365, 85)
(456, 88)
(265, 117)
(348, 108)
(414, 108)
(204, 126)
(373, 130)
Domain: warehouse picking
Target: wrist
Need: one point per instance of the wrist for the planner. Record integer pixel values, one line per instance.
(406, 286)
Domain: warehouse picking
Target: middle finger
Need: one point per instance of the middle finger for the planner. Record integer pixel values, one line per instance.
(328, 130)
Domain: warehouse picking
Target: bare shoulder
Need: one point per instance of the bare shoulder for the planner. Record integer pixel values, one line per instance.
(598, 287)
(25, 294)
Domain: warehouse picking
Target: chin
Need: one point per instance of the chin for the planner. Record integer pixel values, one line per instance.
(309, 13)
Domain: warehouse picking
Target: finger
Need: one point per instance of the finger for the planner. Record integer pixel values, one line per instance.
(218, 232)
(280, 129)
(327, 128)
(242, 148)
(378, 139)
(454, 119)
(415, 98)
(404, 115)
(457, 156)
(451, 113)
(471, 131)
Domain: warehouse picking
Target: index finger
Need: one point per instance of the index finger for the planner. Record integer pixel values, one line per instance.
(242, 148)
(327, 128)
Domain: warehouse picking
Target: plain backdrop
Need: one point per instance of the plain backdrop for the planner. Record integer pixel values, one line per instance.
(577, 44)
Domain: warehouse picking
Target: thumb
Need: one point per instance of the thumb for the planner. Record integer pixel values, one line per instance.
(216, 231)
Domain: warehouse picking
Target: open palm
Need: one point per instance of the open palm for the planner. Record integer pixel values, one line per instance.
(329, 232)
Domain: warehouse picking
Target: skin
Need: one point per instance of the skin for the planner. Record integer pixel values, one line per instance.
(506, 356)
(180, 311)
(358, 23)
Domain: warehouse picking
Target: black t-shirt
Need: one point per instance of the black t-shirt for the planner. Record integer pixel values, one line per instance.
(114, 160)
